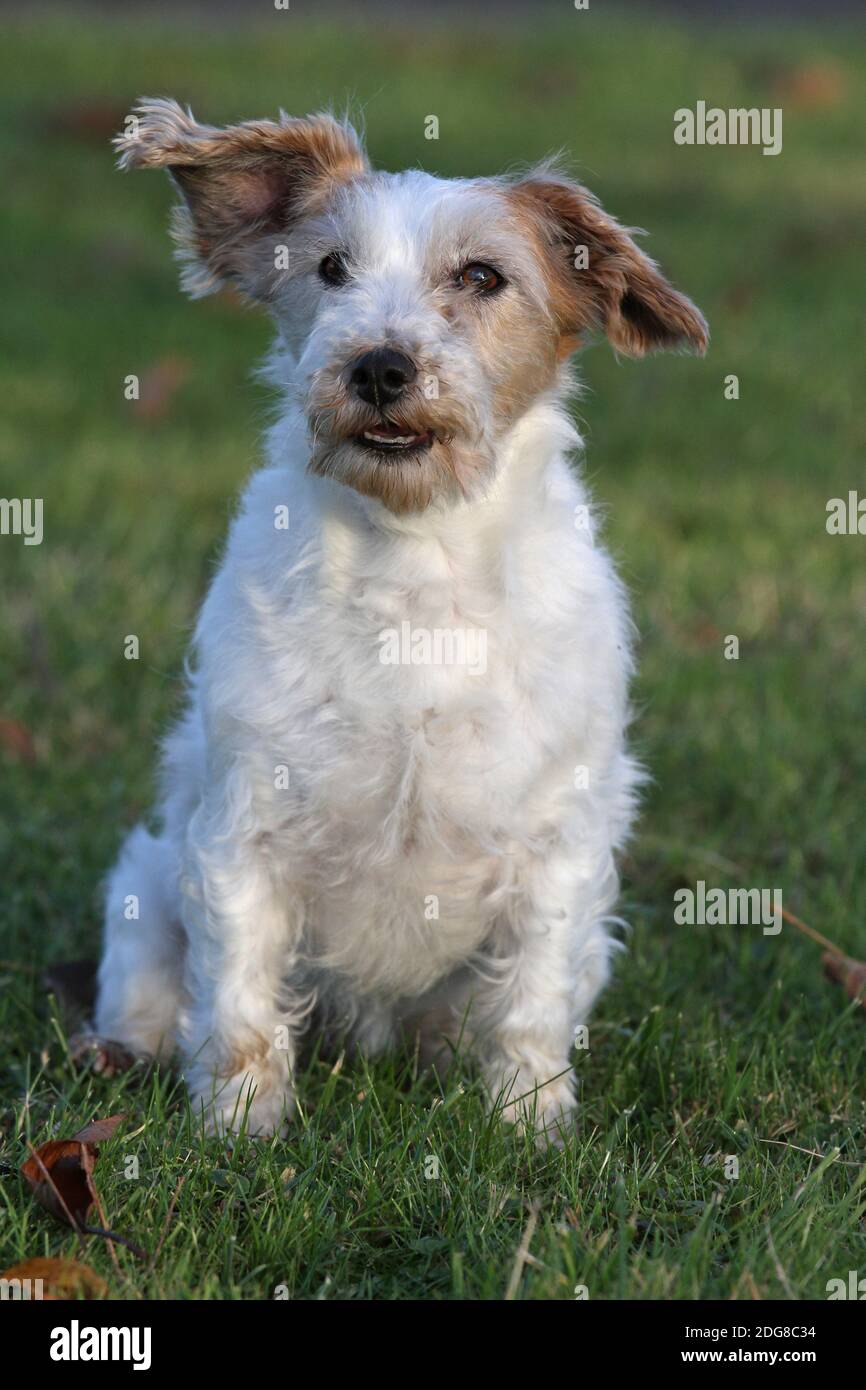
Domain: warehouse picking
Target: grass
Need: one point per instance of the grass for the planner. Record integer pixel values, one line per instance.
(712, 1042)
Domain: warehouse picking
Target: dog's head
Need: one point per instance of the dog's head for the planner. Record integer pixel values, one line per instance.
(423, 316)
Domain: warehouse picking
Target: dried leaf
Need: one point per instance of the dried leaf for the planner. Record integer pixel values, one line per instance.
(705, 634)
(17, 740)
(849, 973)
(813, 86)
(60, 1173)
(98, 1130)
(50, 1279)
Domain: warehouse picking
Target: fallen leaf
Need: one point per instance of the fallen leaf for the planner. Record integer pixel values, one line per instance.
(51, 1279)
(98, 1130)
(60, 1173)
(849, 973)
(705, 634)
(17, 740)
(811, 87)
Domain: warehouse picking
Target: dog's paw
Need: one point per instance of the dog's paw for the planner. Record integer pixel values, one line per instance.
(103, 1056)
(251, 1103)
(543, 1109)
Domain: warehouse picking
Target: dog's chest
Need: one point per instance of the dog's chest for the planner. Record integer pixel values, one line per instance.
(424, 708)
(417, 697)
(414, 784)
(433, 722)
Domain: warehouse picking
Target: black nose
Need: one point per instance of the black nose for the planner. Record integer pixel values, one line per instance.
(382, 375)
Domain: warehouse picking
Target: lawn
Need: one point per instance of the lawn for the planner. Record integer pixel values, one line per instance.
(713, 1042)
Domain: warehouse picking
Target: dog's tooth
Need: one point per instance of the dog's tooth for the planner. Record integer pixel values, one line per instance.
(392, 439)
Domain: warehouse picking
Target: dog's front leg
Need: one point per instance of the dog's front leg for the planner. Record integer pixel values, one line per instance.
(553, 954)
(242, 928)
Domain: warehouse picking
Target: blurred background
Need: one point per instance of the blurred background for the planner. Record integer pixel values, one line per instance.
(715, 508)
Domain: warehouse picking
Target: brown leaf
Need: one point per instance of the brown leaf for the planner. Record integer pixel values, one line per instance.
(60, 1173)
(813, 86)
(52, 1279)
(98, 1130)
(17, 740)
(849, 973)
(705, 634)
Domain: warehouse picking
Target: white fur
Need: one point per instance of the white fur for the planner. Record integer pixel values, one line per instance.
(260, 907)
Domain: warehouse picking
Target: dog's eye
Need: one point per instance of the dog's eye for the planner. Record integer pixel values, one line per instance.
(333, 270)
(480, 277)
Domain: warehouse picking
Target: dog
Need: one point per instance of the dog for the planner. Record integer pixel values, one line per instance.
(393, 805)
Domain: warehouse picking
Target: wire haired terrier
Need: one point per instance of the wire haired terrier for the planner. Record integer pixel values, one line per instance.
(365, 828)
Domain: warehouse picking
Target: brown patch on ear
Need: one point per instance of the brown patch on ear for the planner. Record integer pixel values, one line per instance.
(239, 183)
(620, 290)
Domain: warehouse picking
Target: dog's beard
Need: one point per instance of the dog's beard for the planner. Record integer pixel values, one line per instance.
(444, 455)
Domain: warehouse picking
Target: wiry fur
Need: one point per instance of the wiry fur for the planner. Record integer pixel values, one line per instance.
(408, 785)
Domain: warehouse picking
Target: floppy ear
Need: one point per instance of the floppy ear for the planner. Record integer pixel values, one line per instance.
(611, 284)
(239, 184)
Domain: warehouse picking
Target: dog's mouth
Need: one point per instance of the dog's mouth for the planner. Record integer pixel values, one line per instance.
(387, 438)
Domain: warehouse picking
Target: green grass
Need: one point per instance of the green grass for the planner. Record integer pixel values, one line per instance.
(711, 1041)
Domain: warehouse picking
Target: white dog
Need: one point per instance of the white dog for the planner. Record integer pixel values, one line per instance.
(394, 801)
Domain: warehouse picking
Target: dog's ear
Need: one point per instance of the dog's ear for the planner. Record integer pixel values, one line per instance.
(599, 277)
(240, 185)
